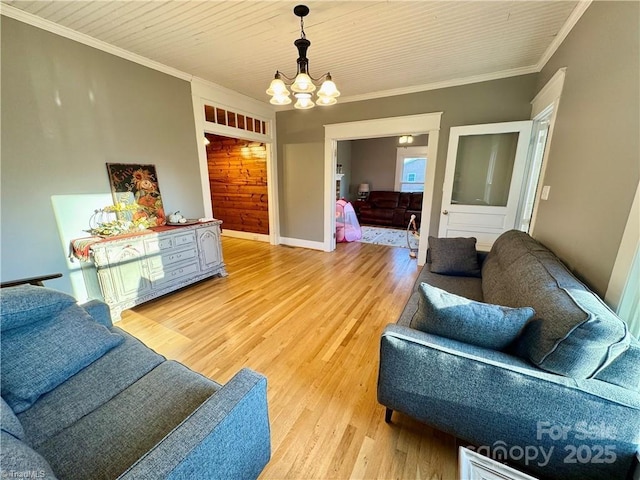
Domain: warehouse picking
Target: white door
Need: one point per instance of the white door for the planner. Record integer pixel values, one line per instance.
(483, 180)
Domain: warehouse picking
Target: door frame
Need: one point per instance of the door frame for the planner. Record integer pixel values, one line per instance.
(206, 93)
(548, 97)
(428, 123)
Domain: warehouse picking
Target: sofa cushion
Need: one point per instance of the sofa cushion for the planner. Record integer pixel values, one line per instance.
(25, 304)
(448, 315)
(404, 200)
(573, 333)
(469, 287)
(624, 371)
(87, 390)
(18, 460)
(454, 256)
(9, 421)
(38, 357)
(415, 201)
(381, 199)
(106, 442)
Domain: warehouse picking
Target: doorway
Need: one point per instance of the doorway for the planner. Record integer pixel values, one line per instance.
(383, 127)
(237, 171)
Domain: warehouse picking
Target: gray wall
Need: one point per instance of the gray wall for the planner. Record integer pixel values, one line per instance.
(486, 102)
(300, 164)
(67, 109)
(373, 161)
(594, 159)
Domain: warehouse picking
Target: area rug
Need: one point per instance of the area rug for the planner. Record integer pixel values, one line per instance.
(392, 237)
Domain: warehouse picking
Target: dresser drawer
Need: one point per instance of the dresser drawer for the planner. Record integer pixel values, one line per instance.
(162, 243)
(173, 273)
(187, 238)
(161, 261)
(155, 245)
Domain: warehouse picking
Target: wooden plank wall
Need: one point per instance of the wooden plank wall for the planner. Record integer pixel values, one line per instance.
(238, 179)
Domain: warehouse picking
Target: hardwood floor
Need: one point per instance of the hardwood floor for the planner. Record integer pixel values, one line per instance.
(310, 322)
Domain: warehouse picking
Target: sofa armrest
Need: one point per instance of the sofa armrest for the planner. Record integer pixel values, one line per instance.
(494, 400)
(226, 437)
(99, 311)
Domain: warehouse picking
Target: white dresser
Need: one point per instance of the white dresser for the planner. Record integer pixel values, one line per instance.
(135, 269)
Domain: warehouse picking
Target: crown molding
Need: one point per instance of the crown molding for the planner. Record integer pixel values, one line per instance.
(444, 84)
(576, 14)
(66, 32)
(456, 82)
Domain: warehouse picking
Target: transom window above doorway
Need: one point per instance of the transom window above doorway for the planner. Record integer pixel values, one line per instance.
(222, 116)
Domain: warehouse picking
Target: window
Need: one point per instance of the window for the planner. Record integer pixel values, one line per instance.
(411, 167)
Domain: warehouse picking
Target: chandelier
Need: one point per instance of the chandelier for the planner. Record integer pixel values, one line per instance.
(303, 85)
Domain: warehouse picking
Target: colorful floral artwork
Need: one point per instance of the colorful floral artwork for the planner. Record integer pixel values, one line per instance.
(137, 184)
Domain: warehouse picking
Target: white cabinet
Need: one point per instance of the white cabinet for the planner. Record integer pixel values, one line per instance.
(132, 270)
(210, 254)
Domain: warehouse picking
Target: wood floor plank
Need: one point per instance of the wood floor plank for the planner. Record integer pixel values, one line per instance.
(310, 322)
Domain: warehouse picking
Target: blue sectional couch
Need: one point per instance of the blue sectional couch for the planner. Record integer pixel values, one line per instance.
(560, 399)
(83, 399)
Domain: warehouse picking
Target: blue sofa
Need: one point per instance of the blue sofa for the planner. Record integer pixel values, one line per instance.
(83, 399)
(560, 400)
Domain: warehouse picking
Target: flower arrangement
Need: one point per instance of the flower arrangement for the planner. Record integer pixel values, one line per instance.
(118, 219)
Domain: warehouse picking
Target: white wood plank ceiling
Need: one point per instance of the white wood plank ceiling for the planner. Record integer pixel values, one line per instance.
(368, 46)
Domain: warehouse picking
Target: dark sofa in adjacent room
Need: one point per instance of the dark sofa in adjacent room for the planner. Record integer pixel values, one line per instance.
(391, 209)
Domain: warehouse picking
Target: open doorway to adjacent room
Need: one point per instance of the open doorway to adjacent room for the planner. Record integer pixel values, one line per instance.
(389, 169)
(336, 135)
(238, 183)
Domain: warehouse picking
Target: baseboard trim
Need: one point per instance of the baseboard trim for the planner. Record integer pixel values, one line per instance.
(259, 237)
(298, 242)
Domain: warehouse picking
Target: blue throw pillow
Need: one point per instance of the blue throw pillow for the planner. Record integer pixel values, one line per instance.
(38, 357)
(489, 326)
(454, 256)
(25, 304)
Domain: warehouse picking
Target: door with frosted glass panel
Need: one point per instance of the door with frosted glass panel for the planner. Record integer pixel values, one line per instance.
(483, 180)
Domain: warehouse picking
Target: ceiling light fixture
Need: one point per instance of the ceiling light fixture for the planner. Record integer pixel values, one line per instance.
(303, 85)
(405, 139)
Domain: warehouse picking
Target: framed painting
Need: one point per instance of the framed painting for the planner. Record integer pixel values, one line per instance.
(136, 186)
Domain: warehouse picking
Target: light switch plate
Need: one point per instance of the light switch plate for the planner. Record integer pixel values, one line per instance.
(545, 192)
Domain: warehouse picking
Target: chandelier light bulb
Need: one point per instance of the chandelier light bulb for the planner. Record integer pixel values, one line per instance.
(303, 84)
(280, 99)
(328, 89)
(324, 101)
(304, 101)
(277, 87)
